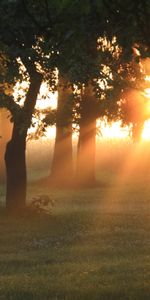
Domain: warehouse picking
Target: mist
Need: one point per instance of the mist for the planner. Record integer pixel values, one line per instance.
(113, 156)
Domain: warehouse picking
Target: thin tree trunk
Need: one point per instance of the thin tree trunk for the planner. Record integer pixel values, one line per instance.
(15, 157)
(62, 164)
(85, 172)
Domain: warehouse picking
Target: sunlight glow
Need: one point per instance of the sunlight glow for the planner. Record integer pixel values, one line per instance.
(147, 78)
(113, 130)
(147, 93)
(47, 99)
(146, 130)
(51, 132)
(20, 91)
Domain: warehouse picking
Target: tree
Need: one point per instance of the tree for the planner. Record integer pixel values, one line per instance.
(85, 172)
(133, 110)
(17, 41)
(62, 164)
(133, 105)
(98, 99)
(75, 56)
(15, 150)
(79, 62)
(24, 41)
(5, 133)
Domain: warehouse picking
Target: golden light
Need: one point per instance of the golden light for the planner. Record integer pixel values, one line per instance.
(147, 78)
(108, 131)
(49, 101)
(46, 98)
(146, 131)
(20, 91)
(51, 132)
(114, 130)
(147, 93)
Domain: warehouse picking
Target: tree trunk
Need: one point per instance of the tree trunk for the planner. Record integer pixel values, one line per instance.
(5, 133)
(16, 171)
(15, 157)
(62, 164)
(86, 154)
(85, 172)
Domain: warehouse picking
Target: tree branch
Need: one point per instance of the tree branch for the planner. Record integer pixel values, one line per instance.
(9, 103)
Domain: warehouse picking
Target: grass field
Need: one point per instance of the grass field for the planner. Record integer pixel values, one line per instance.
(94, 246)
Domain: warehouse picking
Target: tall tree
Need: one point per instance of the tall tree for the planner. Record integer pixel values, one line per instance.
(17, 42)
(5, 133)
(15, 150)
(87, 138)
(134, 112)
(77, 60)
(62, 164)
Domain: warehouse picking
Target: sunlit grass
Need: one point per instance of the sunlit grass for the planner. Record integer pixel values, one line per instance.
(95, 245)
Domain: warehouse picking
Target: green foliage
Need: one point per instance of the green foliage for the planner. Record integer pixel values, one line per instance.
(130, 22)
(17, 40)
(63, 34)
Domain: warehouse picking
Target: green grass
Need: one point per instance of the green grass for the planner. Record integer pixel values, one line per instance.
(94, 246)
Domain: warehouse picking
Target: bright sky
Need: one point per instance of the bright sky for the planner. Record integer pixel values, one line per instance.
(47, 99)
(107, 131)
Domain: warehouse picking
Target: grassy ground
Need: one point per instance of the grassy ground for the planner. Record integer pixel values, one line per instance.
(95, 245)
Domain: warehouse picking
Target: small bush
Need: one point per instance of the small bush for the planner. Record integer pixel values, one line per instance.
(42, 204)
